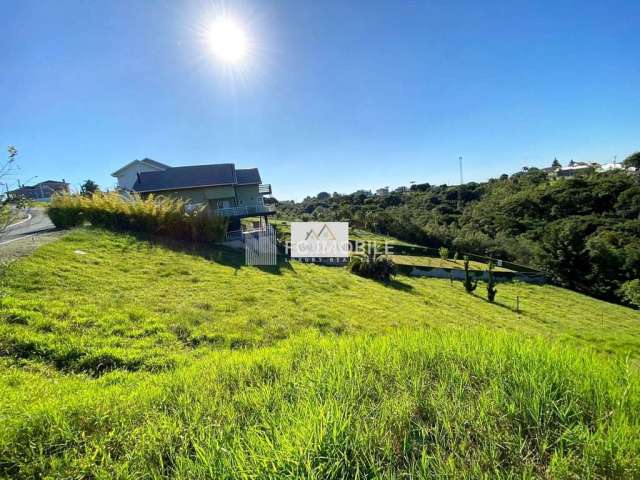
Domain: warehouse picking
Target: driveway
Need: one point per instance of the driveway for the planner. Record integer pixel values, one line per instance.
(37, 222)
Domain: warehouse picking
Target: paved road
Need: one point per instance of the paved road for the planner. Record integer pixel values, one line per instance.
(38, 223)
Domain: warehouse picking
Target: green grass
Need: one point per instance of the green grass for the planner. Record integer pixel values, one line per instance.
(125, 358)
(411, 260)
(431, 262)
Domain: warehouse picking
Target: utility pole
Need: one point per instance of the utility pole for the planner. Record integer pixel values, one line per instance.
(460, 186)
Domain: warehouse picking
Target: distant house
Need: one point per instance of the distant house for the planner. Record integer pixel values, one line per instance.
(41, 192)
(607, 167)
(228, 191)
(572, 170)
(382, 191)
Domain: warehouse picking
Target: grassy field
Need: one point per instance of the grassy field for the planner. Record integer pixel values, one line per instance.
(126, 358)
(431, 262)
(409, 260)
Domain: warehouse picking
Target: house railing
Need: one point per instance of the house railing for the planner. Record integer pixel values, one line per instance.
(245, 210)
(264, 189)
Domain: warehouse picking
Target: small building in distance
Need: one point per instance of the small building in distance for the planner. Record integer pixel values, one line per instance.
(576, 168)
(572, 170)
(40, 192)
(607, 167)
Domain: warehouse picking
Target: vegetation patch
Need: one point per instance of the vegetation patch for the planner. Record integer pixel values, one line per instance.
(415, 404)
(585, 231)
(152, 215)
(317, 373)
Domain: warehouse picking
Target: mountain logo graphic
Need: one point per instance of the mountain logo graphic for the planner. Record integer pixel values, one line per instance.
(325, 233)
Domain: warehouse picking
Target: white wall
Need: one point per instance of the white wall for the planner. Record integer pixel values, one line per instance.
(128, 177)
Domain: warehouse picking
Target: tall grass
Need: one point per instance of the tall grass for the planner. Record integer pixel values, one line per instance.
(155, 215)
(413, 405)
(144, 359)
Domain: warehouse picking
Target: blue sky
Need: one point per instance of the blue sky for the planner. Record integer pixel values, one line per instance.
(335, 95)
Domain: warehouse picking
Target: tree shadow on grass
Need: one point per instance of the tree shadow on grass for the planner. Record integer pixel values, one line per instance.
(398, 285)
(497, 303)
(220, 254)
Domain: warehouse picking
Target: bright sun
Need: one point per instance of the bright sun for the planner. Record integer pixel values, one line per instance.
(228, 40)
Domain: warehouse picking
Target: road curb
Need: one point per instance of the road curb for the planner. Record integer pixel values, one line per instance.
(29, 217)
(40, 232)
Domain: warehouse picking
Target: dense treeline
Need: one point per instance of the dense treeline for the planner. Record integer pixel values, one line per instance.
(585, 231)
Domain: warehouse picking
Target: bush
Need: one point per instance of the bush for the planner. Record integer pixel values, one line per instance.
(444, 253)
(470, 283)
(630, 292)
(154, 215)
(66, 211)
(371, 266)
(491, 285)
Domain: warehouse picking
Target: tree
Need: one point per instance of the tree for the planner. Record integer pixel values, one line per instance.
(556, 163)
(323, 196)
(633, 161)
(88, 188)
(563, 250)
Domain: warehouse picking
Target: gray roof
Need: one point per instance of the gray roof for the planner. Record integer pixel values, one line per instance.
(196, 176)
(248, 176)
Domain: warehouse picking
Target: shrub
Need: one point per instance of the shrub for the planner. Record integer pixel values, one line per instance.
(491, 285)
(378, 267)
(154, 215)
(444, 253)
(630, 292)
(470, 283)
(66, 211)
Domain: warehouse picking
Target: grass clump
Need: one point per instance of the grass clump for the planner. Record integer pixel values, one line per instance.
(163, 216)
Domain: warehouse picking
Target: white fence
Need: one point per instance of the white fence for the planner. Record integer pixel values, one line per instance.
(260, 246)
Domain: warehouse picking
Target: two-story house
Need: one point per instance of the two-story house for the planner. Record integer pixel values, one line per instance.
(228, 191)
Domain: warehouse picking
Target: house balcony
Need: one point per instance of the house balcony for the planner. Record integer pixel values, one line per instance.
(264, 189)
(246, 211)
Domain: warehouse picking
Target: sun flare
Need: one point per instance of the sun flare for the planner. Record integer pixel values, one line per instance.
(228, 40)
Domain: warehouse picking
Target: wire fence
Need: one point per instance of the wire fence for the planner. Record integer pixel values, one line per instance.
(419, 251)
